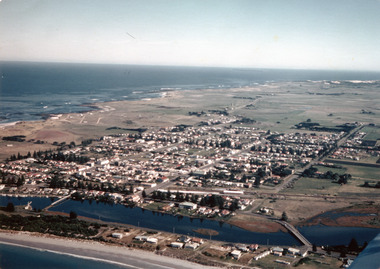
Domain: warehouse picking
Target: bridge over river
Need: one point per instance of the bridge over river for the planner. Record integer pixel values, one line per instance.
(295, 232)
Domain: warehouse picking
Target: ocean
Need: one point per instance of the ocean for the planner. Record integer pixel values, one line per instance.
(31, 91)
(40, 259)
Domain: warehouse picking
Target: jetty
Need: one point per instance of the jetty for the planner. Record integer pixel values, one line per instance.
(62, 199)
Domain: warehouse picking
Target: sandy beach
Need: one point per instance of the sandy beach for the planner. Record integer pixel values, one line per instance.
(122, 256)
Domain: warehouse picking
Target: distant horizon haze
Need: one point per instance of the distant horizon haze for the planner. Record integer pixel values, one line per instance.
(294, 34)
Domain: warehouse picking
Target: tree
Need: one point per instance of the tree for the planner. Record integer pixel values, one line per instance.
(20, 181)
(73, 215)
(314, 247)
(353, 246)
(10, 207)
(257, 182)
(143, 194)
(284, 216)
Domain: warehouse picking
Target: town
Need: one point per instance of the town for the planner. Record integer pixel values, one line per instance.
(214, 170)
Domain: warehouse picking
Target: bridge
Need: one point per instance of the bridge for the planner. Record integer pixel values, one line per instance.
(57, 202)
(295, 232)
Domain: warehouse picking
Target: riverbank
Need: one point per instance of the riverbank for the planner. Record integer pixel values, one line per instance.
(366, 216)
(126, 257)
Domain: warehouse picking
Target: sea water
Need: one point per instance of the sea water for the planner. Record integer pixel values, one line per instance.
(19, 257)
(30, 91)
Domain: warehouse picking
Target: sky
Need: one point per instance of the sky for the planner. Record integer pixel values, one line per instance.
(297, 34)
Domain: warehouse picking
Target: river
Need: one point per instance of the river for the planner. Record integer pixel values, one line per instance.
(316, 234)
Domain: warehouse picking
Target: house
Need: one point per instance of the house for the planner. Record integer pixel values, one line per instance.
(192, 245)
(293, 251)
(176, 245)
(197, 240)
(152, 240)
(262, 255)
(133, 198)
(188, 206)
(236, 254)
(141, 238)
(277, 251)
(183, 239)
(117, 235)
(253, 247)
(242, 248)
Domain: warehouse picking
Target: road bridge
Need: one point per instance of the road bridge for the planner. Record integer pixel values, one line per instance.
(295, 232)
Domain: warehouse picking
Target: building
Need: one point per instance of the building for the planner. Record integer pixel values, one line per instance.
(197, 240)
(183, 239)
(293, 251)
(192, 245)
(176, 245)
(253, 247)
(236, 254)
(261, 255)
(117, 235)
(152, 240)
(277, 251)
(187, 205)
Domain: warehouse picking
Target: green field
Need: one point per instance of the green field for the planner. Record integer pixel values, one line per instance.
(306, 185)
(324, 169)
(372, 133)
(370, 173)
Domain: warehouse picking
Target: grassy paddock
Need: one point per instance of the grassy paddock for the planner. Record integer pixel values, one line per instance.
(307, 185)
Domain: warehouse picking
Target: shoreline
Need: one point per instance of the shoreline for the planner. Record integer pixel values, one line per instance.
(98, 106)
(95, 106)
(91, 250)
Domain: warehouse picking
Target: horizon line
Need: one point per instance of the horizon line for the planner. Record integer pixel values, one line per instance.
(194, 66)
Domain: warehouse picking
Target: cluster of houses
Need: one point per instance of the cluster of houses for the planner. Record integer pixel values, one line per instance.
(276, 251)
(187, 242)
(206, 156)
(355, 154)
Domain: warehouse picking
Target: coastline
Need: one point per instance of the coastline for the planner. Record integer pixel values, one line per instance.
(91, 250)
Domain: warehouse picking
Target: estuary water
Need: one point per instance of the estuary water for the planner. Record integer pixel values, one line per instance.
(317, 234)
(30, 91)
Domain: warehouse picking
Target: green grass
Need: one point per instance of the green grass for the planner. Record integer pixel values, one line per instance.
(324, 169)
(306, 185)
(269, 262)
(154, 207)
(373, 133)
(370, 173)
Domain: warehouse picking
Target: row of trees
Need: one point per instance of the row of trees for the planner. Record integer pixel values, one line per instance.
(210, 201)
(81, 183)
(57, 225)
(340, 179)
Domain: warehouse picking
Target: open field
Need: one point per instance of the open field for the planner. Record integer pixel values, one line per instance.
(319, 262)
(274, 106)
(299, 208)
(372, 132)
(310, 186)
(366, 173)
(255, 224)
